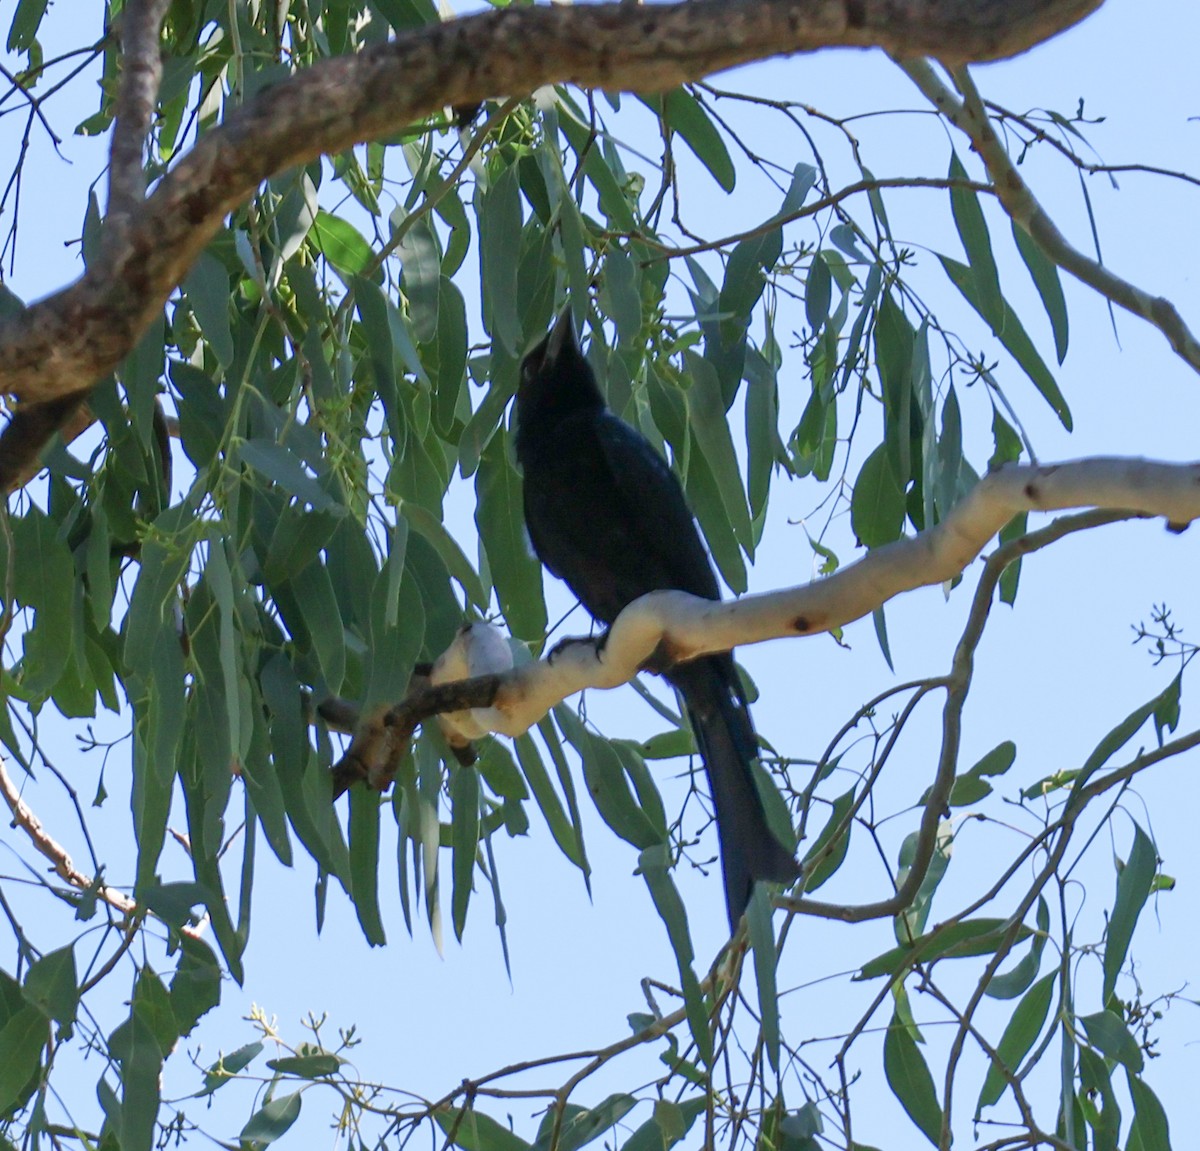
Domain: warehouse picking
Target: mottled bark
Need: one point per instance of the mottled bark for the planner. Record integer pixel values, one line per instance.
(74, 337)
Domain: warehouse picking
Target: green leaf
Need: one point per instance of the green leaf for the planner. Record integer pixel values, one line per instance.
(21, 1039)
(276, 463)
(710, 427)
(1018, 1039)
(971, 786)
(196, 986)
(272, 1119)
(1106, 1031)
(298, 539)
(911, 921)
(317, 616)
(1045, 278)
(374, 312)
(607, 784)
(499, 516)
(499, 771)
(762, 943)
(1098, 1101)
(669, 744)
(1012, 983)
(225, 1068)
(977, 243)
(746, 272)
(427, 525)
(584, 1124)
(612, 199)
(667, 1126)
(464, 841)
(499, 212)
(446, 359)
(908, 1077)
(52, 986)
(22, 32)
(207, 288)
(1133, 888)
(1124, 732)
(43, 579)
(710, 505)
(137, 1049)
(683, 113)
(422, 272)
(621, 298)
(1150, 1130)
(474, 1131)
(316, 1065)
(818, 292)
(402, 14)
(965, 938)
(654, 865)
(1014, 338)
(342, 245)
(823, 859)
(538, 778)
(364, 866)
(877, 506)
(764, 448)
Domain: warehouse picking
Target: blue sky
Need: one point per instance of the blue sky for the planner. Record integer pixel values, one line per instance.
(1053, 675)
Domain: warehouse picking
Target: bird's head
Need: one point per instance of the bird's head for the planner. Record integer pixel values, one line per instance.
(555, 374)
(560, 343)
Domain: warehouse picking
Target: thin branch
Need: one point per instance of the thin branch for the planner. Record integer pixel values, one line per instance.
(817, 206)
(60, 859)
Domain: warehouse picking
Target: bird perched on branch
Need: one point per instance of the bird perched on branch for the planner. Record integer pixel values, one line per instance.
(607, 515)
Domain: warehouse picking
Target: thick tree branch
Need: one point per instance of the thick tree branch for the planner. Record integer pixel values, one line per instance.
(686, 627)
(81, 333)
(682, 626)
(971, 118)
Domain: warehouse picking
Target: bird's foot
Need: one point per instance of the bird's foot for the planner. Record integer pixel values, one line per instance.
(595, 642)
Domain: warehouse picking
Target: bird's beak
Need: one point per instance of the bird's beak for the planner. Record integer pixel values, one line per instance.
(562, 336)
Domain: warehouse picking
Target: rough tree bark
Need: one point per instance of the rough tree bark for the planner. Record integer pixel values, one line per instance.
(74, 337)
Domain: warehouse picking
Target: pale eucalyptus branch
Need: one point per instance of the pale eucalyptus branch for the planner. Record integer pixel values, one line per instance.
(684, 626)
(75, 336)
(680, 626)
(969, 115)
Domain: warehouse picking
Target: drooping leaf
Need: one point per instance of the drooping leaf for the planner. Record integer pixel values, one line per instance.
(1133, 889)
(1045, 278)
(877, 506)
(272, 1119)
(476, 1131)
(1014, 338)
(683, 114)
(1019, 1036)
(909, 1078)
(977, 243)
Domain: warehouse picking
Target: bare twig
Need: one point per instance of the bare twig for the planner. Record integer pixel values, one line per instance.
(60, 859)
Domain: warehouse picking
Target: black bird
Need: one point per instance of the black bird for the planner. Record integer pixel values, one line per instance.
(607, 515)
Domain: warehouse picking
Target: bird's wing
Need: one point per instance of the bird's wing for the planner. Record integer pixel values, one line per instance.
(654, 502)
